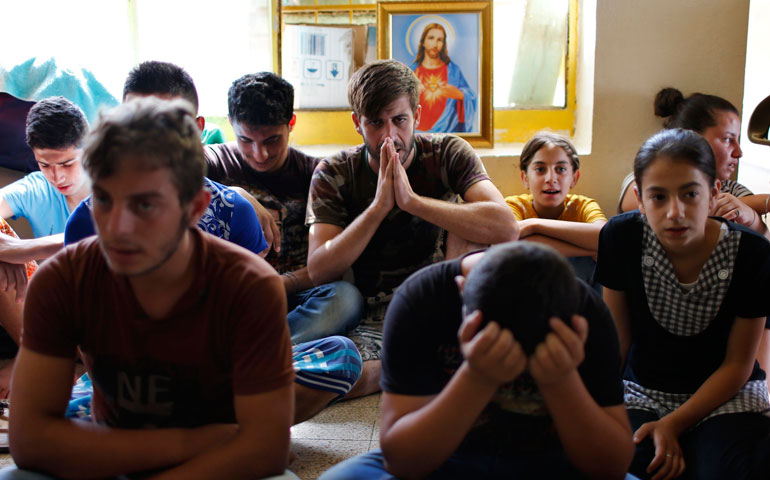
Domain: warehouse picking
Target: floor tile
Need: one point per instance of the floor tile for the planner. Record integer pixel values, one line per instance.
(351, 423)
(372, 401)
(316, 456)
(376, 430)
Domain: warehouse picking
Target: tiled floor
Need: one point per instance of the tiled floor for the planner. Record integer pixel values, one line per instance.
(5, 459)
(339, 432)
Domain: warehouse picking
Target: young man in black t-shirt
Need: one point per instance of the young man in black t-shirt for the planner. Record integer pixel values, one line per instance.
(260, 160)
(475, 404)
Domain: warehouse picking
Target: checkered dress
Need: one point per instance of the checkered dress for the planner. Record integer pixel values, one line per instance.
(752, 397)
(685, 312)
(679, 311)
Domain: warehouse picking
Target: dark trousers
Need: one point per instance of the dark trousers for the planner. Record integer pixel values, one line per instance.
(732, 446)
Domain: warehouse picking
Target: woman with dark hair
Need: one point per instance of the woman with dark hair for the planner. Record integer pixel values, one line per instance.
(686, 291)
(719, 122)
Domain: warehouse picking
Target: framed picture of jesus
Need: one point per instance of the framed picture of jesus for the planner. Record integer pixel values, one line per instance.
(448, 46)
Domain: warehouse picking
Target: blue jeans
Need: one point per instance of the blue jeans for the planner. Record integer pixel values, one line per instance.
(13, 473)
(330, 309)
(371, 466)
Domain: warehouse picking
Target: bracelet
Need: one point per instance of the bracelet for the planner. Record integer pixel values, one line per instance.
(293, 279)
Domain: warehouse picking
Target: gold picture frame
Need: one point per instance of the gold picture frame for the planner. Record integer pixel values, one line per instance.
(456, 70)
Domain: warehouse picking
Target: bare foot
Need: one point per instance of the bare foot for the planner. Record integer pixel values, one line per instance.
(309, 401)
(369, 382)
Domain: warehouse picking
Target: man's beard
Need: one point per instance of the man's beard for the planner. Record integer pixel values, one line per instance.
(397, 145)
(169, 248)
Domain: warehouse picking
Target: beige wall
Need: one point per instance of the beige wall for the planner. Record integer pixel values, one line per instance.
(641, 47)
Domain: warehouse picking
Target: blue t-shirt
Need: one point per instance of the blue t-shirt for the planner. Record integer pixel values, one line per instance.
(229, 216)
(35, 199)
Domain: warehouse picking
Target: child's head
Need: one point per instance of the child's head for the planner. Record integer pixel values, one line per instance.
(148, 134)
(56, 129)
(521, 285)
(676, 185)
(549, 169)
(713, 117)
(160, 79)
(55, 123)
(260, 99)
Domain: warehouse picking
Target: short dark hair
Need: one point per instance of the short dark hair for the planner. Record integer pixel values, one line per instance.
(696, 112)
(521, 285)
(547, 138)
(55, 123)
(161, 78)
(377, 84)
(262, 98)
(677, 144)
(152, 134)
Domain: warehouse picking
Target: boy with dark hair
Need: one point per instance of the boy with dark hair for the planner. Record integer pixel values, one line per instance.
(160, 79)
(476, 404)
(55, 131)
(261, 111)
(216, 337)
(517, 287)
(55, 123)
(166, 80)
(380, 208)
(267, 90)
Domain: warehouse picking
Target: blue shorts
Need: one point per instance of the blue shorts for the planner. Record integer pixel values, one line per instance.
(332, 364)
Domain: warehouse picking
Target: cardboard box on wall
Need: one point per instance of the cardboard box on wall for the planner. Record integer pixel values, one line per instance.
(319, 60)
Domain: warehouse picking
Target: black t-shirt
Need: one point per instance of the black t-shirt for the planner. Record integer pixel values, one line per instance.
(421, 352)
(283, 193)
(659, 359)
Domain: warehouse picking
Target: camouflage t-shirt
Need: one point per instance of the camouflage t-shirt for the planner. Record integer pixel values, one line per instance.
(283, 193)
(343, 186)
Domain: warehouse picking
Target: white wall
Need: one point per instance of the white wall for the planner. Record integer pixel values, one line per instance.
(641, 47)
(754, 169)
